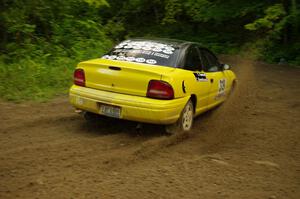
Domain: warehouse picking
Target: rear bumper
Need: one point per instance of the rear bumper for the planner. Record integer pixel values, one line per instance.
(133, 108)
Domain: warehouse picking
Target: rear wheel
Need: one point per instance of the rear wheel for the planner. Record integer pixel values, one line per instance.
(91, 117)
(96, 119)
(185, 122)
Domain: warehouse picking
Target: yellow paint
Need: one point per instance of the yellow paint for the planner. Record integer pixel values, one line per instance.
(127, 88)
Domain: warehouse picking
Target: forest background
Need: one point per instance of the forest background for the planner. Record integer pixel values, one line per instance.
(43, 40)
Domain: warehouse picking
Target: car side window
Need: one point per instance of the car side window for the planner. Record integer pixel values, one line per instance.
(205, 63)
(209, 61)
(192, 60)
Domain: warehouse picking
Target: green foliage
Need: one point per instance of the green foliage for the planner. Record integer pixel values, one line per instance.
(274, 19)
(276, 42)
(115, 30)
(173, 8)
(199, 11)
(29, 79)
(97, 3)
(41, 41)
(44, 40)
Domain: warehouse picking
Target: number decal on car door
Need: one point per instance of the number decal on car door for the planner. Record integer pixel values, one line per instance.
(222, 87)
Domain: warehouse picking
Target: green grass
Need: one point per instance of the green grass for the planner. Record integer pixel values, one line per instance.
(43, 75)
(31, 80)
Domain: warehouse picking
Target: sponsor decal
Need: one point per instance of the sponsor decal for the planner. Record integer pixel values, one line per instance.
(136, 47)
(170, 48)
(200, 77)
(151, 61)
(147, 48)
(161, 55)
(113, 57)
(140, 48)
(119, 46)
(169, 52)
(128, 47)
(106, 57)
(157, 50)
(130, 59)
(121, 58)
(140, 60)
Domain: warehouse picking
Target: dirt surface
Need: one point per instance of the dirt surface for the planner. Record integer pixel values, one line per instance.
(247, 148)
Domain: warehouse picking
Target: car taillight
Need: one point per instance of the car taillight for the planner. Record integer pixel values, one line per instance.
(79, 77)
(160, 90)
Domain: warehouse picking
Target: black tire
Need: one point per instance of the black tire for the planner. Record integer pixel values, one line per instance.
(91, 117)
(233, 88)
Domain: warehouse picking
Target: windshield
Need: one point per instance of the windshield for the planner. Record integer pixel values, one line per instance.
(147, 52)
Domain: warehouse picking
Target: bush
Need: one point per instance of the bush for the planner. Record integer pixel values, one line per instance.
(38, 72)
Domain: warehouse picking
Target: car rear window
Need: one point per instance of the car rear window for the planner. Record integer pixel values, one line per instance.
(146, 52)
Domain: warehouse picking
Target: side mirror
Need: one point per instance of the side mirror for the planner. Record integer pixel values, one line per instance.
(225, 67)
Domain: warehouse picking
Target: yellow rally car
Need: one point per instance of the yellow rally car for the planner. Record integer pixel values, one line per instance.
(156, 81)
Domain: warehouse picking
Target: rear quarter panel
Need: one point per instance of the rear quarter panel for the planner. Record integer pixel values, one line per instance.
(182, 81)
(185, 84)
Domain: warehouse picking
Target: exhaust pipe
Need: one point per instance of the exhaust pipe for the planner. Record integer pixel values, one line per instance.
(79, 111)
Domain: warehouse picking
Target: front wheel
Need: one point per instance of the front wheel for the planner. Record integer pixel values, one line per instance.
(185, 122)
(233, 87)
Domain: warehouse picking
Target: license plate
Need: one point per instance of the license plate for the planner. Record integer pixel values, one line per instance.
(111, 111)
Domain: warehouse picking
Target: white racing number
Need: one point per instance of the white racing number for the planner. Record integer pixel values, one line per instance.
(221, 91)
(222, 85)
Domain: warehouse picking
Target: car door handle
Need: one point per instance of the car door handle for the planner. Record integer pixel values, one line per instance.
(211, 80)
